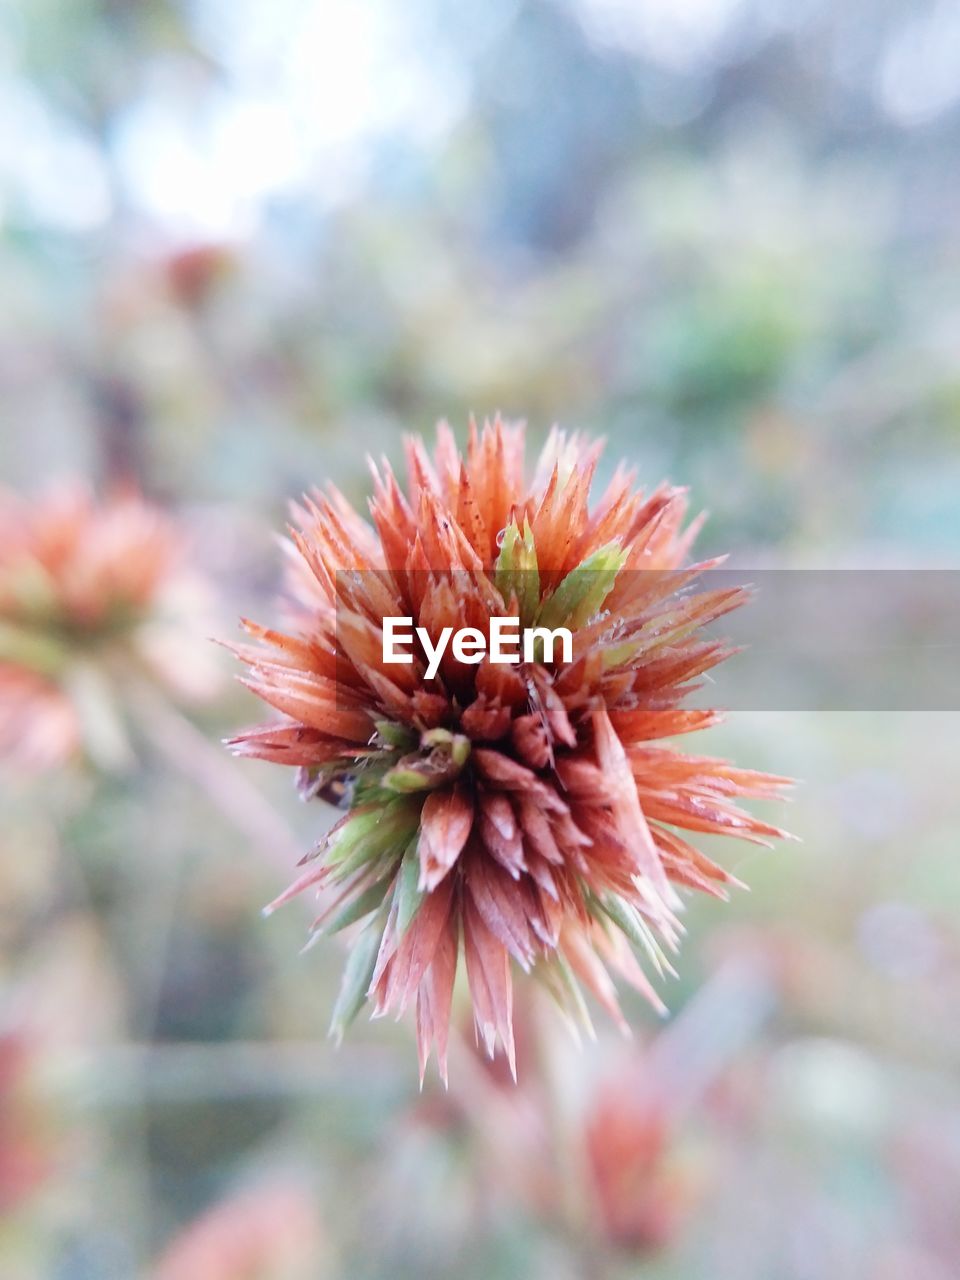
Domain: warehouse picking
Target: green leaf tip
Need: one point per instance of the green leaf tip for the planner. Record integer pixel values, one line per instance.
(582, 592)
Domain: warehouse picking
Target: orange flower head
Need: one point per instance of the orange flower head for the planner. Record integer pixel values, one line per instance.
(525, 814)
(86, 591)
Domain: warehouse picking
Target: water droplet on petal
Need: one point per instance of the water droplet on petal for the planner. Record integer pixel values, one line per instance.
(501, 535)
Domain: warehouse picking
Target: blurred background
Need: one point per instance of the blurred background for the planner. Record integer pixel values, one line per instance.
(240, 245)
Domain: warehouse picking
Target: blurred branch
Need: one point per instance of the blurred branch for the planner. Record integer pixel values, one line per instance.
(205, 764)
(120, 422)
(693, 1049)
(129, 1075)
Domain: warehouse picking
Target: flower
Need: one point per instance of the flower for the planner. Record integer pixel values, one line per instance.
(269, 1231)
(88, 593)
(644, 1178)
(28, 1141)
(526, 814)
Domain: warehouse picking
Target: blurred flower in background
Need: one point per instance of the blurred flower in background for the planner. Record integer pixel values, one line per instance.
(266, 1232)
(28, 1136)
(646, 1187)
(93, 598)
